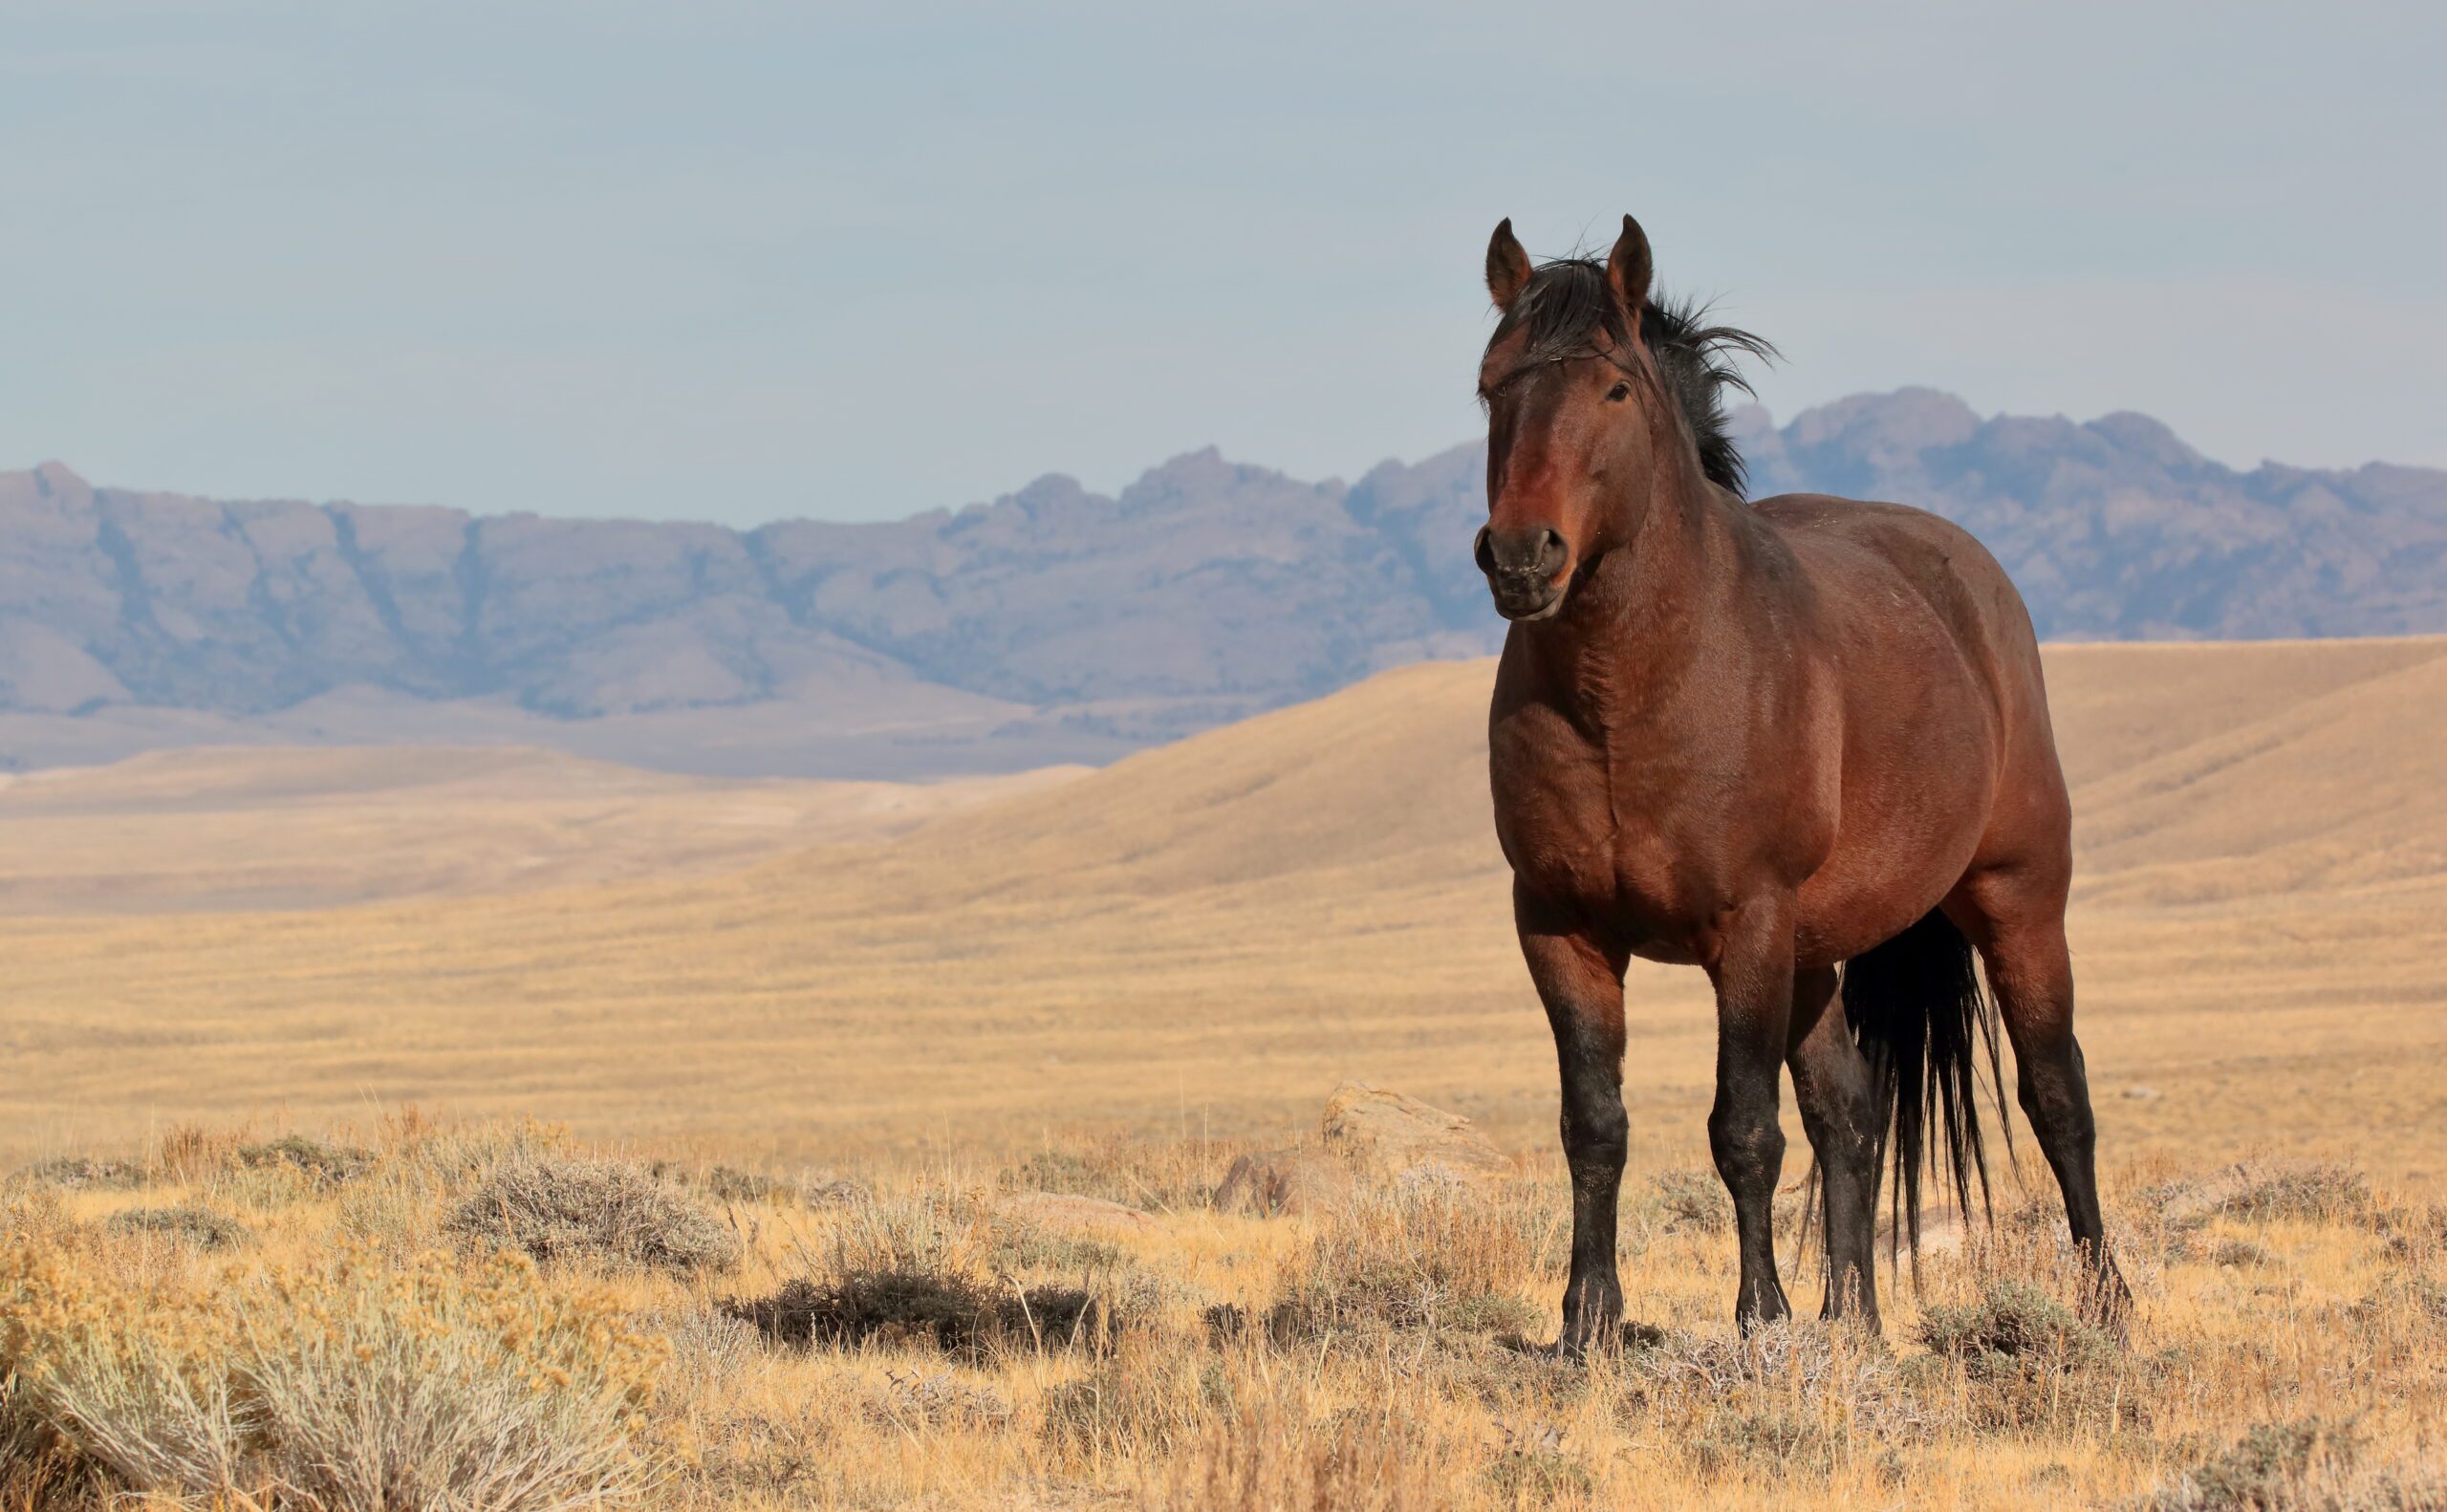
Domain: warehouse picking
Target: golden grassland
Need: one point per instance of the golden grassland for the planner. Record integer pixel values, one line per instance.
(311, 1324)
(1206, 937)
(225, 828)
(816, 1034)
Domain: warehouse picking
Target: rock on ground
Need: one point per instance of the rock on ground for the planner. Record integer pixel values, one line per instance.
(1063, 1210)
(1397, 1135)
(1369, 1135)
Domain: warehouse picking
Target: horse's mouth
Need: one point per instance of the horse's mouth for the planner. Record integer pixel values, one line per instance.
(1523, 607)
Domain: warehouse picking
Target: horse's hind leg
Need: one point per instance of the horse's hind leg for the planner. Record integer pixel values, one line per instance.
(2021, 940)
(1832, 1084)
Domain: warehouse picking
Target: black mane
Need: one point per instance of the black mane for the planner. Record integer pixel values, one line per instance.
(1567, 305)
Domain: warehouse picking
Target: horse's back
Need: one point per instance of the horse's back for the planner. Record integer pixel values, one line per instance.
(1871, 563)
(1860, 554)
(1876, 546)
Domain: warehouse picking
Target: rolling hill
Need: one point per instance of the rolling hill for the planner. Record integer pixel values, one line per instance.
(236, 827)
(1215, 931)
(1053, 624)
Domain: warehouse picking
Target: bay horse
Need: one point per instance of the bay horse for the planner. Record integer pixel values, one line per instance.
(1801, 743)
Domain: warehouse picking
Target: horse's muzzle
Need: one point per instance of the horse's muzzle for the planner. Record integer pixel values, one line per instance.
(1525, 571)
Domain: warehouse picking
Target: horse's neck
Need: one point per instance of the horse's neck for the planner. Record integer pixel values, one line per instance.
(1635, 631)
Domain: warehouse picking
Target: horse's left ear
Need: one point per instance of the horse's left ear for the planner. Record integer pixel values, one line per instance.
(1627, 268)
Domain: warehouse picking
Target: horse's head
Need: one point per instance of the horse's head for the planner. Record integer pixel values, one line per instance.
(1568, 385)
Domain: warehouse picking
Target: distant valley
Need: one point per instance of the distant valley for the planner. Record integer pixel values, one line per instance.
(1052, 625)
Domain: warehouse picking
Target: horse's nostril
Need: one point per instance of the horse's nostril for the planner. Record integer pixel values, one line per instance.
(1551, 553)
(1483, 551)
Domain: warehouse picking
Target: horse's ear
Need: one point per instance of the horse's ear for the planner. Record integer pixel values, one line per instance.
(1627, 268)
(1507, 265)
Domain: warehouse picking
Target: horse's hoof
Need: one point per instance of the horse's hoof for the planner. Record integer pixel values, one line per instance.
(1622, 1338)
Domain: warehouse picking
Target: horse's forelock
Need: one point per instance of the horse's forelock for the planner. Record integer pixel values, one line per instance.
(1568, 309)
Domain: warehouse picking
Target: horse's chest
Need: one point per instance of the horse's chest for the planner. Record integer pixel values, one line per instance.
(1581, 835)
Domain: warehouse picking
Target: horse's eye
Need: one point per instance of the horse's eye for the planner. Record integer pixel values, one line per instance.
(1619, 393)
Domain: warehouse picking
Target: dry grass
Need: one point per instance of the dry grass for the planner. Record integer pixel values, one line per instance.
(921, 1346)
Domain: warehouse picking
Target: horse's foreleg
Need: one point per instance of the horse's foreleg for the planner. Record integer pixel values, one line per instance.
(2031, 973)
(1583, 990)
(1832, 1084)
(1753, 973)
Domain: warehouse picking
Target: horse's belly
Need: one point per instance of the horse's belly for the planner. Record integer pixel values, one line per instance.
(1884, 877)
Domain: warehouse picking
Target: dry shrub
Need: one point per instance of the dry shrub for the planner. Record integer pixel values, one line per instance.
(1800, 1397)
(411, 1193)
(556, 1209)
(350, 1386)
(2010, 1324)
(78, 1173)
(833, 1191)
(956, 1314)
(135, 1388)
(2259, 1190)
(431, 1388)
(1685, 1200)
(321, 1164)
(1432, 1258)
(2269, 1469)
(2021, 1359)
(199, 1226)
(900, 1308)
(922, 1270)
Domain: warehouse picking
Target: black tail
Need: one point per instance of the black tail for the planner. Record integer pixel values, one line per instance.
(1918, 1013)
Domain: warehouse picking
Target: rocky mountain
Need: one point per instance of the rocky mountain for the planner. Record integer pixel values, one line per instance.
(2116, 530)
(1052, 623)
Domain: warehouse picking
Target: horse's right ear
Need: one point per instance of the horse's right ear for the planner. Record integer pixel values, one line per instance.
(1628, 268)
(1507, 265)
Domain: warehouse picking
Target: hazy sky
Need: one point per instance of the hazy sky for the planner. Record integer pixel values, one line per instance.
(737, 261)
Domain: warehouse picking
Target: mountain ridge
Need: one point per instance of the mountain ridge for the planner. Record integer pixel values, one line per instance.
(1056, 623)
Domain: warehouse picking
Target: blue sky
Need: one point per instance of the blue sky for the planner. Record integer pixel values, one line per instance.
(735, 261)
